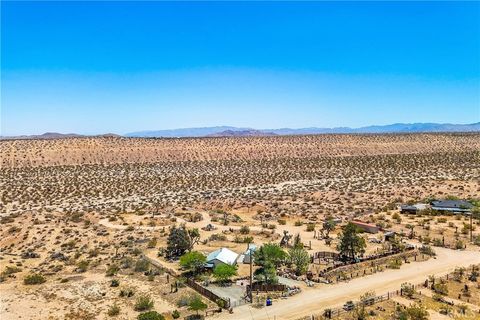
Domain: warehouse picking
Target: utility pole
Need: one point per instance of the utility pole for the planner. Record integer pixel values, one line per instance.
(251, 275)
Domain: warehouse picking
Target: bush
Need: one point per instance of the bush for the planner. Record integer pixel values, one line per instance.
(114, 283)
(395, 264)
(282, 222)
(298, 223)
(217, 237)
(82, 266)
(310, 227)
(143, 302)
(11, 270)
(427, 250)
(150, 315)
(459, 244)
(244, 230)
(112, 270)
(175, 314)
(127, 292)
(183, 301)
(440, 288)
(113, 310)
(142, 265)
(476, 240)
(152, 243)
(408, 289)
(417, 312)
(34, 278)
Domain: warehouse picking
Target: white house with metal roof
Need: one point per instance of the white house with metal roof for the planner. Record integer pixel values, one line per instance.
(222, 255)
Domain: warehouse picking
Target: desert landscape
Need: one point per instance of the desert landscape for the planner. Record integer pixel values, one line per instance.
(113, 227)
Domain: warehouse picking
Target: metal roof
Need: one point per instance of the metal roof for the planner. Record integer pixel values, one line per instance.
(224, 255)
(452, 204)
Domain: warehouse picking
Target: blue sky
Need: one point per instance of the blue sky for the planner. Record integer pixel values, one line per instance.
(96, 67)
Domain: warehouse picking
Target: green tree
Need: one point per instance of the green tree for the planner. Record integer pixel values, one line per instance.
(351, 244)
(196, 304)
(266, 273)
(150, 315)
(193, 261)
(181, 240)
(224, 272)
(270, 253)
(300, 258)
(269, 257)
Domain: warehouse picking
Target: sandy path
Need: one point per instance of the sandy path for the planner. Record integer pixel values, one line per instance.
(313, 301)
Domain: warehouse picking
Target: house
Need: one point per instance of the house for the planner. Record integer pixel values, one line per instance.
(459, 206)
(247, 255)
(414, 208)
(367, 227)
(222, 255)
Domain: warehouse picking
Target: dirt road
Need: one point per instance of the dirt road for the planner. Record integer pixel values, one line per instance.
(313, 301)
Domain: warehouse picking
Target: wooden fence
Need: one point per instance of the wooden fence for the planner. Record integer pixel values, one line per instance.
(207, 293)
(325, 255)
(192, 284)
(327, 272)
(267, 287)
(336, 312)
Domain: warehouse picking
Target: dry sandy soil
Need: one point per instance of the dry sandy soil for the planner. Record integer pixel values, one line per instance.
(91, 199)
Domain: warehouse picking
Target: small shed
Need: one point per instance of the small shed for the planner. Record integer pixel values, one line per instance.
(414, 208)
(247, 255)
(389, 235)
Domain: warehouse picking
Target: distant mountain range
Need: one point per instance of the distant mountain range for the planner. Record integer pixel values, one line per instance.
(235, 131)
(227, 131)
(242, 133)
(56, 135)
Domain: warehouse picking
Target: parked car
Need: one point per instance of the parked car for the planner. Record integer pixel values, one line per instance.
(369, 301)
(348, 306)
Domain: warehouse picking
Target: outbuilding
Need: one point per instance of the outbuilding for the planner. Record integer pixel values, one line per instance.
(413, 208)
(247, 255)
(367, 227)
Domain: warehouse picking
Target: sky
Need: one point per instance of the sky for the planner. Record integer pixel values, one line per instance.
(98, 67)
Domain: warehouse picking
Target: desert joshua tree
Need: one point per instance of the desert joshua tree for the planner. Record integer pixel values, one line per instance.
(285, 241)
(156, 208)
